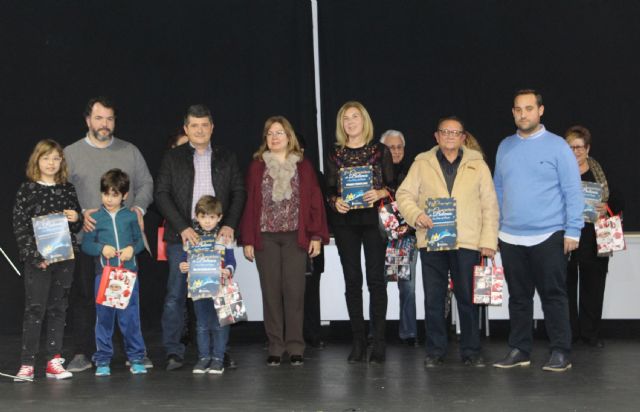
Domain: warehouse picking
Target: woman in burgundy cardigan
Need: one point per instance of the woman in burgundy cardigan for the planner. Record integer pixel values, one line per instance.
(284, 221)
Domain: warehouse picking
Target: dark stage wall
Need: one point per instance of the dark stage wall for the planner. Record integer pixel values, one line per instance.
(409, 62)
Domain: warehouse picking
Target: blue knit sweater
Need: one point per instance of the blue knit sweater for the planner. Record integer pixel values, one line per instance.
(538, 186)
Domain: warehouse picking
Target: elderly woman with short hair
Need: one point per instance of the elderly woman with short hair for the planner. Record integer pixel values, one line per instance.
(584, 262)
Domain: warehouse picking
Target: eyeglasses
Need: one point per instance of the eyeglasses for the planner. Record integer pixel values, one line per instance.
(447, 132)
(278, 133)
(577, 148)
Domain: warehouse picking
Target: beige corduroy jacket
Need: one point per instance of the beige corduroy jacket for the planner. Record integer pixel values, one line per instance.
(477, 204)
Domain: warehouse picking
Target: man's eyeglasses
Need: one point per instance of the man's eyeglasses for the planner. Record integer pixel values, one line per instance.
(447, 132)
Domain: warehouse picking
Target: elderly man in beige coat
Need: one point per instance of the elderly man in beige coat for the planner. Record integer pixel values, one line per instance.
(451, 170)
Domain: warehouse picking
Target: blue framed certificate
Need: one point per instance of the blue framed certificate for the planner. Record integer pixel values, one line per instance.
(53, 238)
(444, 234)
(592, 192)
(204, 274)
(354, 183)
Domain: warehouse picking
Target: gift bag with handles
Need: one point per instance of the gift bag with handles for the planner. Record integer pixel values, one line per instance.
(116, 286)
(228, 303)
(609, 234)
(488, 283)
(392, 224)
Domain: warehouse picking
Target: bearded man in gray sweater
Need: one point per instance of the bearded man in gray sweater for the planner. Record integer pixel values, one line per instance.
(87, 160)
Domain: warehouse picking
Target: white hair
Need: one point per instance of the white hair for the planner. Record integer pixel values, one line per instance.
(392, 132)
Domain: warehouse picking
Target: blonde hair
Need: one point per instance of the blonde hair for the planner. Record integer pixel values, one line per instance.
(293, 146)
(367, 124)
(472, 143)
(45, 147)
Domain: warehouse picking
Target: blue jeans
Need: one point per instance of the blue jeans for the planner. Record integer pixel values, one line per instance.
(407, 289)
(435, 267)
(212, 338)
(129, 323)
(174, 303)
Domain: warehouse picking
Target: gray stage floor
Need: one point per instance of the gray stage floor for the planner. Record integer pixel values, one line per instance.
(601, 380)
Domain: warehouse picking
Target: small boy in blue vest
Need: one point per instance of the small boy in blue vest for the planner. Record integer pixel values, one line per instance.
(212, 338)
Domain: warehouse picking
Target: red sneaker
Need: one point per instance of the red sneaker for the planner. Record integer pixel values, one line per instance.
(56, 370)
(25, 374)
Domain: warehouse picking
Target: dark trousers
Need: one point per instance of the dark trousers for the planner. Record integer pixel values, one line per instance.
(174, 302)
(46, 293)
(349, 240)
(312, 328)
(541, 267)
(83, 305)
(281, 264)
(435, 269)
(585, 316)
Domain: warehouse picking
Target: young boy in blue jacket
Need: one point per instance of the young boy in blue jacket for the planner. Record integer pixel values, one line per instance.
(115, 241)
(211, 336)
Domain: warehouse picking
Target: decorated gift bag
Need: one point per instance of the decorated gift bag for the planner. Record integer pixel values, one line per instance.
(397, 264)
(229, 304)
(116, 287)
(609, 234)
(392, 224)
(488, 283)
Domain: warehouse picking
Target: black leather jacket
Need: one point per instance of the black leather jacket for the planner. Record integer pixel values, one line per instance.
(174, 188)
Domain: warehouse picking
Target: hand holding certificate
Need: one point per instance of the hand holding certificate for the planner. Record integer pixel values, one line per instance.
(53, 238)
(354, 183)
(443, 235)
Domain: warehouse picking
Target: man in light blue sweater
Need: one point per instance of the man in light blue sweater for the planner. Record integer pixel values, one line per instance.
(540, 196)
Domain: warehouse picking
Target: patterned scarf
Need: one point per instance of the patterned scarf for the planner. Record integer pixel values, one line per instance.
(281, 173)
(596, 169)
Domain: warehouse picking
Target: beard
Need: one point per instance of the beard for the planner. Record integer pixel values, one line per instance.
(528, 127)
(102, 137)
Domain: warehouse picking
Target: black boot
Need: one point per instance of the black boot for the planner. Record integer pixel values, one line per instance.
(358, 351)
(378, 312)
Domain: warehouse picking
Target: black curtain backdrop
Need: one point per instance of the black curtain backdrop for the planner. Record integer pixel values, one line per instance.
(412, 62)
(409, 62)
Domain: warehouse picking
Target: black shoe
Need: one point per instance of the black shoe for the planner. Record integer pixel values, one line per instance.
(474, 360)
(558, 362)
(174, 362)
(296, 360)
(358, 352)
(594, 342)
(432, 361)
(317, 344)
(228, 362)
(412, 342)
(378, 355)
(514, 358)
(273, 361)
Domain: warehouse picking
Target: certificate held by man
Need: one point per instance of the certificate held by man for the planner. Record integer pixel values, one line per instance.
(53, 238)
(443, 235)
(354, 183)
